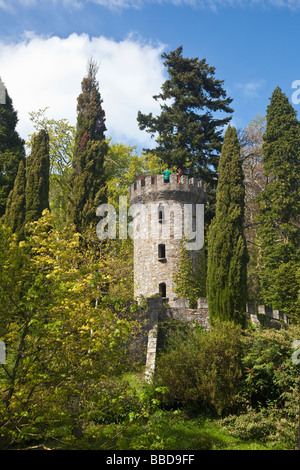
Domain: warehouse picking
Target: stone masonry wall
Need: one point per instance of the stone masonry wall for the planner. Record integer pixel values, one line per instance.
(260, 315)
(149, 197)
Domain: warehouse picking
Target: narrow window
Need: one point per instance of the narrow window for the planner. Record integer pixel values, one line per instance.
(160, 217)
(161, 214)
(163, 289)
(143, 182)
(161, 252)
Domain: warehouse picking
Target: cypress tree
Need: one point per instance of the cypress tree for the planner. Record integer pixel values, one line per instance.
(279, 207)
(227, 251)
(16, 204)
(37, 177)
(90, 150)
(11, 150)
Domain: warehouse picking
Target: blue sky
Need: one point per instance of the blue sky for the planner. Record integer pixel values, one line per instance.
(44, 47)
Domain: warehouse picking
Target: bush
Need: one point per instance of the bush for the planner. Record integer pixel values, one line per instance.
(112, 402)
(202, 368)
(270, 426)
(269, 373)
(269, 389)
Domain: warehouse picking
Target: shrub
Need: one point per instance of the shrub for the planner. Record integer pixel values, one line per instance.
(268, 370)
(269, 388)
(202, 368)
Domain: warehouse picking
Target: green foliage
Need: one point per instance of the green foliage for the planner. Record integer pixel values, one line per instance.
(61, 149)
(190, 279)
(16, 204)
(227, 250)
(37, 177)
(123, 165)
(251, 140)
(187, 136)
(203, 369)
(11, 150)
(188, 133)
(88, 181)
(71, 329)
(279, 206)
(269, 390)
(63, 332)
(269, 370)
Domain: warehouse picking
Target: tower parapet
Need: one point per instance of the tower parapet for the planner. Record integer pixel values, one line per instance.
(153, 188)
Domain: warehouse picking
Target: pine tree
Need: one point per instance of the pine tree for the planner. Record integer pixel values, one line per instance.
(37, 177)
(11, 150)
(90, 150)
(16, 204)
(279, 207)
(190, 125)
(227, 250)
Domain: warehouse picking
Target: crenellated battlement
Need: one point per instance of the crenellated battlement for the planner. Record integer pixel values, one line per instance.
(148, 188)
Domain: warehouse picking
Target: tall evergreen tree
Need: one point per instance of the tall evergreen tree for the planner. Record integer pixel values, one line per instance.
(11, 150)
(90, 150)
(16, 204)
(37, 177)
(189, 128)
(227, 250)
(279, 207)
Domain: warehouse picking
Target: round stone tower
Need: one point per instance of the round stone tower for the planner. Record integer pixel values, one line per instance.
(165, 215)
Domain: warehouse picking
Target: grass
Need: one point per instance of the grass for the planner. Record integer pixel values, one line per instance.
(167, 430)
(175, 430)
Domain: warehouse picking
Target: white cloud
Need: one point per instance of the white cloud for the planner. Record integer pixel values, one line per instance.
(212, 4)
(12, 5)
(251, 89)
(41, 72)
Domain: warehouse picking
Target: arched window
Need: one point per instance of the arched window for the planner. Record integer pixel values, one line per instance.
(161, 214)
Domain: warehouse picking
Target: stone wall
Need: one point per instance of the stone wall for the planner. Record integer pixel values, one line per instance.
(180, 310)
(157, 242)
(158, 310)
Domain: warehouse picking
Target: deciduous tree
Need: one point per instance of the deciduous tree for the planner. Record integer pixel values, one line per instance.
(251, 140)
(61, 345)
(61, 149)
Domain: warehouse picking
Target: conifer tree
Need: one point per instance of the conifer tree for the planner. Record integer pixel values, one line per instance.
(11, 150)
(227, 250)
(90, 150)
(16, 204)
(194, 111)
(37, 177)
(279, 207)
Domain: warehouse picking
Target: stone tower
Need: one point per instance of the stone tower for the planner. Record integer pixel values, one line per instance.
(165, 215)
